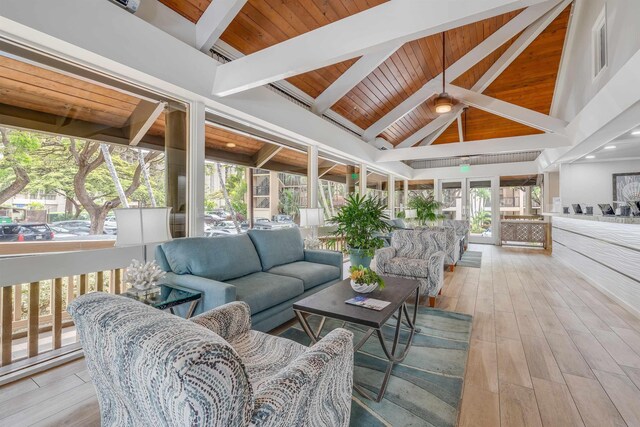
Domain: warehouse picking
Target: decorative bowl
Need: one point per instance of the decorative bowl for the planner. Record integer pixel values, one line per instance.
(364, 288)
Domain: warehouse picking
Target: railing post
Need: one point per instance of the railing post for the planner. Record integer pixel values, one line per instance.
(17, 303)
(100, 281)
(117, 282)
(70, 288)
(33, 319)
(6, 329)
(83, 284)
(56, 311)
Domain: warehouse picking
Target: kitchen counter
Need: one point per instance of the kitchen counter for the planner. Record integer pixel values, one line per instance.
(601, 218)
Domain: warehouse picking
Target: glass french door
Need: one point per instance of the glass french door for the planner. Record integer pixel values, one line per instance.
(472, 200)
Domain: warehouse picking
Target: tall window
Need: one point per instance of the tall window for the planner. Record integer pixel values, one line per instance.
(600, 44)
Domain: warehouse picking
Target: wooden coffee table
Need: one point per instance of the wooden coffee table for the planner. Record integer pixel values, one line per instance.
(330, 303)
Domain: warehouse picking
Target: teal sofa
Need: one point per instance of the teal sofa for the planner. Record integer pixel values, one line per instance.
(267, 269)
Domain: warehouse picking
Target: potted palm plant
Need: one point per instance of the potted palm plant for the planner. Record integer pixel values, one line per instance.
(359, 222)
(427, 208)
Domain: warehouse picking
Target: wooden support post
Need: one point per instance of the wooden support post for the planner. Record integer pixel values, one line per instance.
(117, 282)
(17, 303)
(100, 281)
(33, 319)
(56, 311)
(70, 288)
(432, 301)
(6, 320)
(83, 284)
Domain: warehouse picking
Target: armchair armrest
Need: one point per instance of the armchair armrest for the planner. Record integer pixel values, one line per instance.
(383, 256)
(436, 272)
(321, 256)
(316, 383)
(214, 293)
(228, 320)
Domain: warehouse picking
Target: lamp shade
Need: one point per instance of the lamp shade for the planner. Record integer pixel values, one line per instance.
(411, 213)
(140, 226)
(310, 217)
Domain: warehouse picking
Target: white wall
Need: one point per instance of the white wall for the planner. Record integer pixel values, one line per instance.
(623, 36)
(591, 183)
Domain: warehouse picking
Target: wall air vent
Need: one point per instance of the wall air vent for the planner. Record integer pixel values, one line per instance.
(482, 159)
(129, 5)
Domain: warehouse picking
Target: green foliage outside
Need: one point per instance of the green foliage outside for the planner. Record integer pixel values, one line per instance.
(427, 208)
(359, 220)
(55, 164)
(289, 203)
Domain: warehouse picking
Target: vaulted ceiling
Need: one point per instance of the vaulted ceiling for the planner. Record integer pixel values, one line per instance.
(528, 81)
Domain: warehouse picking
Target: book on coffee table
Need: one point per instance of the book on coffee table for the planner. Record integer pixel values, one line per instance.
(366, 302)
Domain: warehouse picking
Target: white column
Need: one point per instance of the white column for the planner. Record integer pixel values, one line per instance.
(312, 176)
(391, 196)
(363, 179)
(195, 170)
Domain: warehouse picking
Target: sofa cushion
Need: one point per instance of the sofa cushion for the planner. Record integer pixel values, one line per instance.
(220, 258)
(310, 273)
(278, 247)
(399, 223)
(264, 290)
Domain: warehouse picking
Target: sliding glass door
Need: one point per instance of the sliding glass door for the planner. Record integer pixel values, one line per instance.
(472, 200)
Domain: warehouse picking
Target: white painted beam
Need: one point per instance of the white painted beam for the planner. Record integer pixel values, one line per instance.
(460, 129)
(507, 110)
(214, 21)
(141, 119)
(454, 116)
(488, 146)
(518, 46)
(396, 21)
(477, 171)
(322, 171)
(475, 55)
(312, 176)
(354, 75)
(440, 122)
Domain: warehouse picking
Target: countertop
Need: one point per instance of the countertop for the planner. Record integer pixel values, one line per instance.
(612, 219)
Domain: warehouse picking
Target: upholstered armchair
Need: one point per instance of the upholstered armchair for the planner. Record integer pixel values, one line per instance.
(453, 245)
(416, 254)
(461, 228)
(151, 368)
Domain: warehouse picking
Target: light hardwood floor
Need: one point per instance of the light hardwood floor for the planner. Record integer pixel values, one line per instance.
(547, 349)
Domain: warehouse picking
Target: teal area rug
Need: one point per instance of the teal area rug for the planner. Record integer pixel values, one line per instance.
(470, 259)
(426, 388)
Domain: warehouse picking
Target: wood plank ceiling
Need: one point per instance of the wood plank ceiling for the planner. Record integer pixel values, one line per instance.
(529, 81)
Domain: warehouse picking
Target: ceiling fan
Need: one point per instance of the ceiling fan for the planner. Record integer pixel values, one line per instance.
(444, 101)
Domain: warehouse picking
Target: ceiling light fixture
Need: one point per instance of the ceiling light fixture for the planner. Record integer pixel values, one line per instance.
(609, 147)
(591, 156)
(444, 102)
(231, 144)
(636, 132)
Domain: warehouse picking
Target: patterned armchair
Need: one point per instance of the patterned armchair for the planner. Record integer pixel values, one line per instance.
(461, 227)
(416, 254)
(453, 245)
(151, 368)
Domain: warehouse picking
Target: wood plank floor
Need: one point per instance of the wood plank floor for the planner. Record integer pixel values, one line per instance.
(547, 349)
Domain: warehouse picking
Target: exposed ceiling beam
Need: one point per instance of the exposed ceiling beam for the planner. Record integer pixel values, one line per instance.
(141, 119)
(488, 146)
(516, 48)
(460, 129)
(450, 118)
(325, 170)
(23, 118)
(266, 153)
(395, 21)
(509, 111)
(216, 155)
(354, 75)
(475, 55)
(214, 21)
(437, 125)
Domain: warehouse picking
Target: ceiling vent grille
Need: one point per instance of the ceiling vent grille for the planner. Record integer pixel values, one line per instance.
(482, 159)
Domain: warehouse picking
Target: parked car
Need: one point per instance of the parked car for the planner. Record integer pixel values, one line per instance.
(110, 222)
(281, 218)
(78, 227)
(61, 232)
(25, 232)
